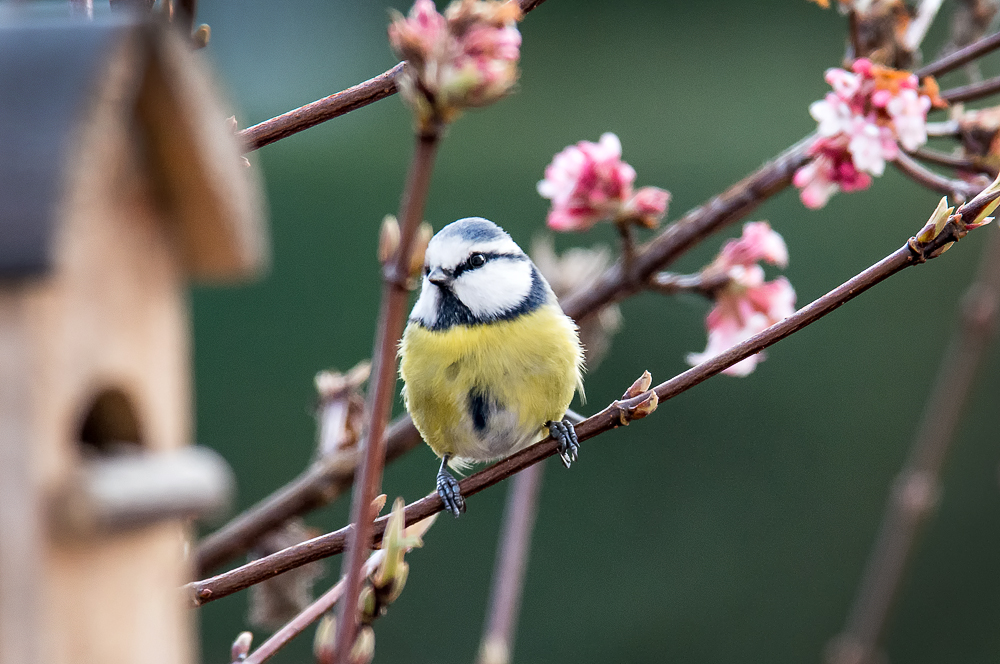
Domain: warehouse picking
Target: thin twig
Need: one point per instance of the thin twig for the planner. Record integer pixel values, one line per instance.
(619, 413)
(512, 564)
(320, 484)
(958, 189)
(945, 129)
(395, 294)
(297, 625)
(917, 30)
(972, 91)
(960, 57)
(667, 283)
(914, 493)
(944, 159)
(345, 101)
(312, 114)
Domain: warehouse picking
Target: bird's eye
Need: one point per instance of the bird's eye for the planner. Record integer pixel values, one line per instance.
(427, 270)
(477, 260)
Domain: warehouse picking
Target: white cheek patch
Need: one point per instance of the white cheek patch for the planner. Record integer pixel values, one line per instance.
(426, 308)
(495, 288)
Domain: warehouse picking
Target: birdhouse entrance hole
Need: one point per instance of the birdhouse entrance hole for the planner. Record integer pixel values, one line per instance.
(110, 426)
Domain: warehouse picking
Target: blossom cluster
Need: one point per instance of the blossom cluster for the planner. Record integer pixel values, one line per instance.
(747, 304)
(588, 182)
(871, 111)
(463, 58)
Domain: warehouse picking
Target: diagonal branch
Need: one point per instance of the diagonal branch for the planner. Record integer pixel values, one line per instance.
(958, 189)
(619, 413)
(961, 57)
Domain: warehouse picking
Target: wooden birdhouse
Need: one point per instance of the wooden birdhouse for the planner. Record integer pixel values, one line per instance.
(120, 181)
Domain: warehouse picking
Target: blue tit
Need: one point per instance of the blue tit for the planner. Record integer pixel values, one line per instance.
(489, 361)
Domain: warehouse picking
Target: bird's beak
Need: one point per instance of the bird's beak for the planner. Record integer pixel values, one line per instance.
(438, 277)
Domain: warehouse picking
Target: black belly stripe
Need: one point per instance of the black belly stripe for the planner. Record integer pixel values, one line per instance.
(479, 409)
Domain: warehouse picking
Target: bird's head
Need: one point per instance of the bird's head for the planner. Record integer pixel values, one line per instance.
(473, 274)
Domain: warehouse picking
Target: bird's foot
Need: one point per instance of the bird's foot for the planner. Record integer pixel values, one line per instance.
(565, 434)
(451, 494)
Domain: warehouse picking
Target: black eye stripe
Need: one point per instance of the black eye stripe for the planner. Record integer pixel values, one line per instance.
(487, 256)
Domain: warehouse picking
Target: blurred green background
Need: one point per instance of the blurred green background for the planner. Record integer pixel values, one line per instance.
(734, 525)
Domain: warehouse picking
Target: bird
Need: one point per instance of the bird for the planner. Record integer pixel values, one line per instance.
(488, 359)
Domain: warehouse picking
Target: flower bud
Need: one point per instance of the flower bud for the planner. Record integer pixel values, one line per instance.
(325, 639)
(388, 239)
(424, 234)
(241, 647)
(641, 384)
(363, 649)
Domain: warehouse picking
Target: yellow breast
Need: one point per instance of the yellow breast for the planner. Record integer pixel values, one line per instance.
(525, 369)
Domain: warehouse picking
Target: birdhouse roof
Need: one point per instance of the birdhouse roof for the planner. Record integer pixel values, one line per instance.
(52, 70)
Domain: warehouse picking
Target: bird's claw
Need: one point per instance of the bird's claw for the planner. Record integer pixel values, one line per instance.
(564, 433)
(451, 494)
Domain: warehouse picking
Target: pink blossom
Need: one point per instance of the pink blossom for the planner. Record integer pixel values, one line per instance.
(833, 115)
(758, 242)
(747, 304)
(870, 146)
(861, 123)
(740, 312)
(831, 170)
(845, 84)
(647, 206)
(586, 183)
(464, 58)
(909, 118)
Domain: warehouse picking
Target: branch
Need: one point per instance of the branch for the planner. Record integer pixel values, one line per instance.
(345, 101)
(297, 625)
(512, 563)
(961, 57)
(312, 114)
(944, 159)
(915, 491)
(319, 485)
(667, 283)
(618, 413)
(958, 189)
(392, 316)
(972, 91)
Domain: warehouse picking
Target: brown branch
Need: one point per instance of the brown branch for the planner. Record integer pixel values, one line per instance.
(345, 101)
(312, 114)
(297, 625)
(913, 495)
(961, 57)
(512, 563)
(319, 485)
(395, 295)
(619, 413)
(958, 189)
(944, 159)
(972, 91)
(667, 283)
